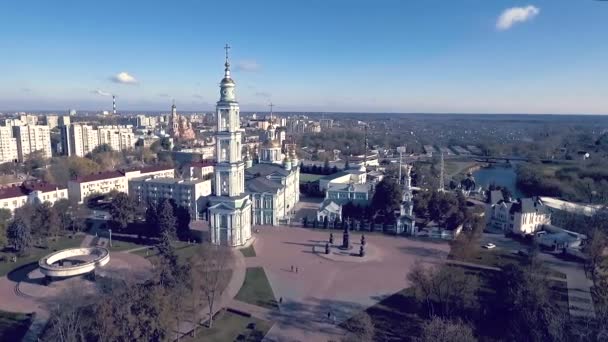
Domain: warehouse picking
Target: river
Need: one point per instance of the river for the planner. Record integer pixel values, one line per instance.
(499, 175)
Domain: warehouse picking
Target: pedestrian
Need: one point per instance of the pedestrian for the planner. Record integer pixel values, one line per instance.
(328, 315)
(296, 270)
(334, 319)
(281, 300)
(291, 268)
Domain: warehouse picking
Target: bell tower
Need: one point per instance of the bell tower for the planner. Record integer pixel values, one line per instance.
(230, 210)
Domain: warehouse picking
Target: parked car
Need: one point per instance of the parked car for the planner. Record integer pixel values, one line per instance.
(489, 245)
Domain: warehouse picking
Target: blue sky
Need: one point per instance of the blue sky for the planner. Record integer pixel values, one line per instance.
(314, 55)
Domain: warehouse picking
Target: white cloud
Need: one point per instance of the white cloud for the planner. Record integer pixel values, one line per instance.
(124, 78)
(163, 95)
(248, 65)
(262, 94)
(100, 92)
(198, 96)
(514, 15)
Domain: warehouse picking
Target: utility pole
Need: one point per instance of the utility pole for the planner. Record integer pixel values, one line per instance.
(365, 151)
(442, 175)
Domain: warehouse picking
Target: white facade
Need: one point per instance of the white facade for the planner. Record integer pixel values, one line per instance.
(274, 191)
(344, 177)
(8, 145)
(524, 217)
(188, 193)
(15, 197)
(32, 138)
(106, 182)
(230, 210)
(119, 138)
(79, 139)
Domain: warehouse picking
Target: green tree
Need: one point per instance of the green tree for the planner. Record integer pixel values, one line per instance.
(152, 220)
(387, 197)
(51, 219)
(102, 148)
(5, 216)
(182, 216)
(166, 219)
(19, 236)
(165, 143)
(122, 210)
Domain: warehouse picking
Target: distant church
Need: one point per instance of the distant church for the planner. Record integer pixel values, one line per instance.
(179, 127)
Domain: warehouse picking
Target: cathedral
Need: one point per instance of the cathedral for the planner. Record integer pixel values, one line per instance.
(230, 207)
(274, 182)
(179, 127)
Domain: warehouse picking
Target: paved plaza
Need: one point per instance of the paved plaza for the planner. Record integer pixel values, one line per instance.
(322, 285)
(23, 290)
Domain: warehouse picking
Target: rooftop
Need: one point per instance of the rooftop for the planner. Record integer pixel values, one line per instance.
(264, 170)
(25, 189)
(164, 180)
(262, 184)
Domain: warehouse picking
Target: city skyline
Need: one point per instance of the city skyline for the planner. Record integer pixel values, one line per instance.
(471, 57)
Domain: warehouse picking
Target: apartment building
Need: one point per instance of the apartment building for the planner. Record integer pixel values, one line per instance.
(119, 138)
(106, 182)
(8, 145)
(32, 138)
(78, 139)
(189, 193)
(16, 196)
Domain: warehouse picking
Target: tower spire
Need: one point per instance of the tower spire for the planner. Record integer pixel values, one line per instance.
(227, 63)
(271, 105)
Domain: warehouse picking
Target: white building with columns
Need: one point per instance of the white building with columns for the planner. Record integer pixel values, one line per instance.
(230, 207)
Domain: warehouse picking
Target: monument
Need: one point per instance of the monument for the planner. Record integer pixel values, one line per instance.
(345, 238)
(52, 265)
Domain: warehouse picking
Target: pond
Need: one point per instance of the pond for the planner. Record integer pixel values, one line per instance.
(500, 175)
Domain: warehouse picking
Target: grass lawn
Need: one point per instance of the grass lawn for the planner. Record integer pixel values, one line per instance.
(256, 290)
(182, 249)
(13, 326)
(500, 258)
(248, 252)
(118, 245)
(36, 253)
(309, 177)
(453, 168)
(229, 326)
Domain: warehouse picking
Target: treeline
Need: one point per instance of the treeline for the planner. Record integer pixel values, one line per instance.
(35, 224)
(587, 183)
(319, 170)
(163, 220)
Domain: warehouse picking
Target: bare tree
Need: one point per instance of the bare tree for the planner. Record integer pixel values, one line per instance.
(445, 288)
(360, 328)
(68, 317)
(442, 330)
(211, 273)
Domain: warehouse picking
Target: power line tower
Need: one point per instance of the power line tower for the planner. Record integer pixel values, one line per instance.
(442, 174)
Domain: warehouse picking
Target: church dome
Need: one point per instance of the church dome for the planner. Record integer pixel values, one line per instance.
(226, 80)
